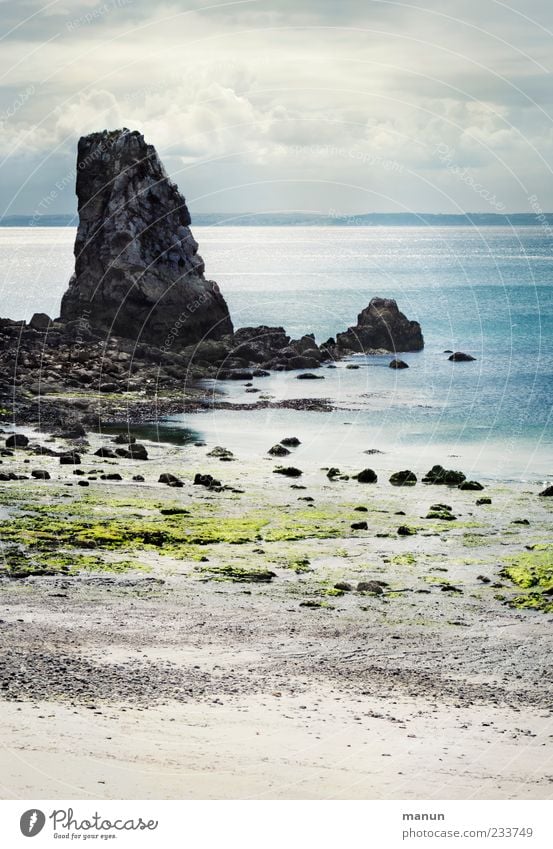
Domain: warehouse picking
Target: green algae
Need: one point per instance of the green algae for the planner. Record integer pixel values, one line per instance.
(237, 574)
(533, 571)
(300, 566)
(532, 601)
(406, 559)
(17, 564)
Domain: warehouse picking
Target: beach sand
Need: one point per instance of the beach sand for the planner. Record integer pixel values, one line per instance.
(156, 673)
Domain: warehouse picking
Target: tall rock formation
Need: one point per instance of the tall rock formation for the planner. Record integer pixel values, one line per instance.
(137, 270)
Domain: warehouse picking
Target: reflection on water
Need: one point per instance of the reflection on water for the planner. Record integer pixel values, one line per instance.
(161, 431)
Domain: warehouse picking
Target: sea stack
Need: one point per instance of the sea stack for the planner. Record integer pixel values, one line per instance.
(137, 271)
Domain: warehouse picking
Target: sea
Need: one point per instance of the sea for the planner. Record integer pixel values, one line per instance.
(487, 291)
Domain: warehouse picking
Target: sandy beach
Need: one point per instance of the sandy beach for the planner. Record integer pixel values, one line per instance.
(245, 641)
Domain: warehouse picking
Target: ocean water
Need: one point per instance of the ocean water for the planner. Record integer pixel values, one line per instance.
(486, 291)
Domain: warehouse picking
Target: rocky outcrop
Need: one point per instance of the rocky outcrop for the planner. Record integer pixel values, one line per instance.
(381, 326)
(137, 271)
(461, 357)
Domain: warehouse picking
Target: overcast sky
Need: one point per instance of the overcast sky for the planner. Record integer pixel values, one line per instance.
(262, 105)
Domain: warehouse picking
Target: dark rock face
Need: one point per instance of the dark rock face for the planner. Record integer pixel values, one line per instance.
(137, 271)
(381, 326)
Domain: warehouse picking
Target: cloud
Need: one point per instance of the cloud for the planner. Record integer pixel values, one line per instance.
(297, 94)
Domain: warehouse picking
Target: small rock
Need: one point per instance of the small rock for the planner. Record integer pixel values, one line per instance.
(288, 471)
(480, 501)
(366, 476)
(406, 531)
(17, 440)
(369, 587)
(207, 481)
(404, 478)
(344, 586)
(460, 357)
(471, 485)
(70, 459)
(278, 451)
(40, 475)
(40, 321)
(219, 451)
(309, 376)
(398, 364)
(170, 480)
(547, 492)
(137, 451)
(359, 526)
(105, 452)
(291, 441)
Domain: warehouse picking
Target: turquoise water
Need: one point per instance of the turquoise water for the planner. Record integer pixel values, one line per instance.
(488, 292)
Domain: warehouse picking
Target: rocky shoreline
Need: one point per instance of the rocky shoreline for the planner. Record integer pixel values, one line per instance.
(140, 325)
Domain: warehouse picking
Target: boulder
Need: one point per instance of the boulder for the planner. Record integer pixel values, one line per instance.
(137, 270)
(17, 440)
(309, 376)
(359, 526)
(404, 478)
(471, 485)
(105, 452)
(40, 475)
(292, 441)
(170, 480)
(207, 481)
(278, 451)
(40, 321)
(366, 476)
(288, 471)
(220, 452)
(398, 364)
(70, 459)
(124, 439)
(547, 492)
(374, 587)
(381, 325)
(460, 357)
(439, 475)
(137, 451)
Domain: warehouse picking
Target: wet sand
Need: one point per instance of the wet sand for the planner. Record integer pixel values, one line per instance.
(159, 674)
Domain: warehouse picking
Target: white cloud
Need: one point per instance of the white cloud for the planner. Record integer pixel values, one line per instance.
(231, 93)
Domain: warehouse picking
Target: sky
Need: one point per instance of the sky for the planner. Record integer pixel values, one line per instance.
(337, 107)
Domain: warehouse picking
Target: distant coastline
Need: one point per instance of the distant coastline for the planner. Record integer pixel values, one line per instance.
(331, 219)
